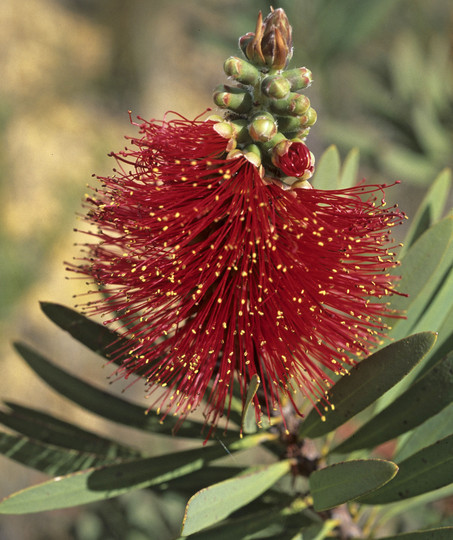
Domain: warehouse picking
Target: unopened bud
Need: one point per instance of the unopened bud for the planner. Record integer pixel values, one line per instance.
(277, 43)
(250, 156)
(253, 154)
(297, 126)
(224, 129)
(294, 105)
(271, 44)
(312, 116)
(235, 99)
(276, 86)
(214, 118)
(299, 78)
(233, 129)
(246, 39)
(263, 127)
(301, 184)
(301, 134)
(241, 70)
(288, 124)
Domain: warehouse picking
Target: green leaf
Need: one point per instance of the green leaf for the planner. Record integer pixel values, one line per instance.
(112, 480)
(444, 533)
(429, 469)
(389, 511)
(348, 480)
(444, 343)
(423, 269)
(328, 170)
(47, 458)
(429, 432)
(430, 209)
(216, 502)
(435, 312)
(367, 381)
(429, 395)
(93, 335)
(264, 523)
(348, 177)
(248, 420)
(317, 532)
(190, 483)
(48, 429)
(100, 402)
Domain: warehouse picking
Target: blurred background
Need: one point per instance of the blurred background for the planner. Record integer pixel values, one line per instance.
(69, 72)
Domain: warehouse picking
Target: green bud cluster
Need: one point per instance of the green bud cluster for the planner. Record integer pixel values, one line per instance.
(265, 108)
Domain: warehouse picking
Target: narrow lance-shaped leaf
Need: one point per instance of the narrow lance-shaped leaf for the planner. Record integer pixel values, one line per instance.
(327, 170)
(444, 343)
(280, 520)
(93, 335)
(430, 468)
(97, 337)
(429, 432)
(216, 502)
(348, 177)
(444, 533)
(430, 209)
(248, 422)
(48, 429)
(388, 512)
(348, 480)
(424, 399)
(103, 403)
(368, 381)
(190, 483)
(113, 480)
(422, 269)
(47, 458)
(441, 303)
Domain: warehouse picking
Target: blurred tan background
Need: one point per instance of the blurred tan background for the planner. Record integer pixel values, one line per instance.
(71, 69)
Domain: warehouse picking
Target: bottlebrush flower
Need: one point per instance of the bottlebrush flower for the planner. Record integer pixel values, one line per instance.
(215, 272)
(217, 268)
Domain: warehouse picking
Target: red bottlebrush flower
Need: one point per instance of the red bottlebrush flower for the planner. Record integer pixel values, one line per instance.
(294, 159)
(217, 274)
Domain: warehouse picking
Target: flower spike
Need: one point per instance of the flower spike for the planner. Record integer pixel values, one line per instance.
(218, 269)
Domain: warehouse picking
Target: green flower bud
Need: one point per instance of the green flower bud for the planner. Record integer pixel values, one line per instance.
(302, 134)
(236, 129)
(269, 145)
(254, 158)
(236, 99)
(241, 130)
(224, 129)
(290, 123)
(310, 117)
(253, 154)
(263, 127)
(298, 78)
(275, 86)
(241, 70)
(294, 105)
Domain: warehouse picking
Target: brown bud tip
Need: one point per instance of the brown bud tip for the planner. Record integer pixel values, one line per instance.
(277, 41)
(271, 44)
